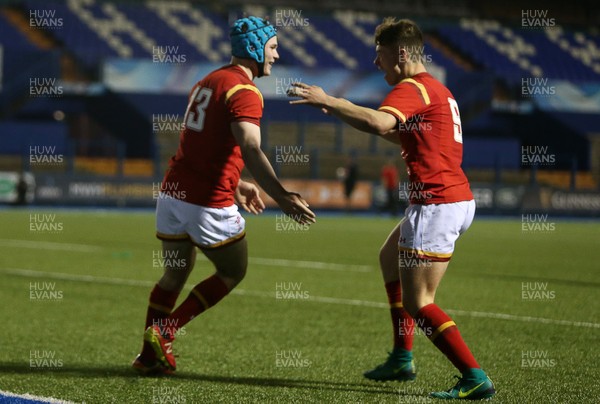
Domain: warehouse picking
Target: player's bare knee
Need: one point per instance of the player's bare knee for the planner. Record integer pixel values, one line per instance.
(232, 278)
(175, 276)
(172, 281)
(235, 273)
(413, 303)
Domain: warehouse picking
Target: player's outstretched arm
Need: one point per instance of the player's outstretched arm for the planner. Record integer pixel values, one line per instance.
(362, 118)
(247, 136)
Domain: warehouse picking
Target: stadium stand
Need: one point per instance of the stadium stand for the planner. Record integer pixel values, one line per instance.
(105, 57)
(551, 54)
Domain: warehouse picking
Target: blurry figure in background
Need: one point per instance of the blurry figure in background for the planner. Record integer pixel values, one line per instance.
(389, 179)
(350, 179)
(21, 188)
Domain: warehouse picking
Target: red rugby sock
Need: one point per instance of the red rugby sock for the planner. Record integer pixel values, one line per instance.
(402, 323)
(160, 306)
(442, 331)
(204, 295)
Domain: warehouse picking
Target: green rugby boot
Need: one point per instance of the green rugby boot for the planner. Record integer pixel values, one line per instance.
(399, 366)
(474, 385)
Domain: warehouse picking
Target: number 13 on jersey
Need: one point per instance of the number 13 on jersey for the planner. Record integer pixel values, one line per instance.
(456, 120)
(196, 109)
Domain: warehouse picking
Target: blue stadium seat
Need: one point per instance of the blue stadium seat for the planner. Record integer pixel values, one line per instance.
(96, 30)
(518, 53)
(90, 32)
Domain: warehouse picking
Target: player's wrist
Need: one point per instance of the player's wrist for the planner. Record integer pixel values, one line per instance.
(244, 185)
(280, 197)
(331, 102)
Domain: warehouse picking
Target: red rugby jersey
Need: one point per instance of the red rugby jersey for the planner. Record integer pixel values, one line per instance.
(431, 137)
(206, 169)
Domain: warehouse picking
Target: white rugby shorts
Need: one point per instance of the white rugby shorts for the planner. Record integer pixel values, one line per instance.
(206, 227)
(430, 231)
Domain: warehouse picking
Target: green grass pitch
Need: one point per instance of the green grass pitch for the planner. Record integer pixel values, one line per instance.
(74, 291)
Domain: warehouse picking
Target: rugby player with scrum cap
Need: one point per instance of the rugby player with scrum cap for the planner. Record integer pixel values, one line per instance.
(197, 203)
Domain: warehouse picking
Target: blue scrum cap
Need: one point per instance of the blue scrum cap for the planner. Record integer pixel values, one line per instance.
(249, 36)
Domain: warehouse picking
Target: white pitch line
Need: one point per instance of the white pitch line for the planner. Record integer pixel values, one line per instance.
(309, 264)
(47, 245)
(30, 273)
(503, 316)
(320, 299)
(273, 262)
(34, 399)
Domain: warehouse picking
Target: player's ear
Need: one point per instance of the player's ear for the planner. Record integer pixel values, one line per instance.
(402, 55)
